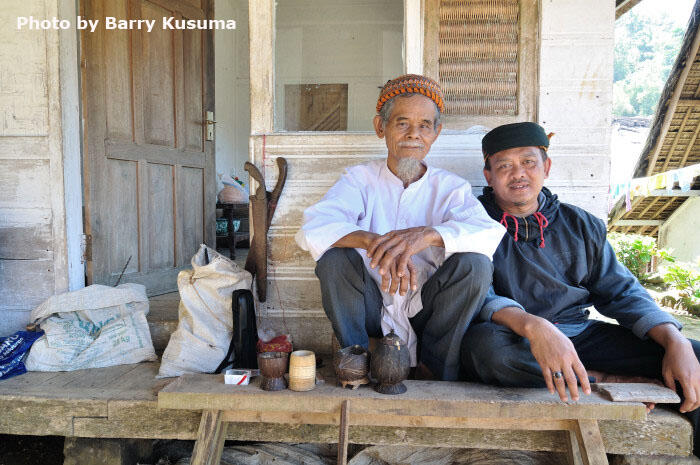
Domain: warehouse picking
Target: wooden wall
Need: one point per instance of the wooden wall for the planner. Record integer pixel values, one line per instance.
(32, 213)
(574, 101)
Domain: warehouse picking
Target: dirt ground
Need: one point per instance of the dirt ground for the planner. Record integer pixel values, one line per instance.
(31, 450)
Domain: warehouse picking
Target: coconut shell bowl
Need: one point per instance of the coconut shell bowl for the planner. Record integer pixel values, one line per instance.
(352, 366)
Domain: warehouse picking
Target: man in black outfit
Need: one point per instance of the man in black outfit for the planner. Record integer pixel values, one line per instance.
(552, 265)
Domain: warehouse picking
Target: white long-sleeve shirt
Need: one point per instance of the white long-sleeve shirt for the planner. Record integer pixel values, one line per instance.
(369, 197)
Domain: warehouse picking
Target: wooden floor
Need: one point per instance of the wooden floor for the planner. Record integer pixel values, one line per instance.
(121, 402)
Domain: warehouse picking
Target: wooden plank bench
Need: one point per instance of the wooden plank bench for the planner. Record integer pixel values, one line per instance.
(121, 402)
(426, 404)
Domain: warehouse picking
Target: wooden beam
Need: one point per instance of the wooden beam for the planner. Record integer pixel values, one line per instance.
(344, 433)
(431, 40)
(690, 145)
(676, 139)
(423, 398)
(648, 207)
(261, 25)
(674, 192)
(590, 443)
(620, 211)
(638, 223)
(688, 102)
(413, 36)
(623, 6)
(673, 103)
(659, 212)
(210, 439)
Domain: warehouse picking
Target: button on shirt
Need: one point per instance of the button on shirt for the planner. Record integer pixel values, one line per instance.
(369, 197)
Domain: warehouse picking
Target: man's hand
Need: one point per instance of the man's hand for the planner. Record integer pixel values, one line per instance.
(679, 364)
(553, 351)
(399, 276)
(398, 246)
(392, 252)
(394, 280)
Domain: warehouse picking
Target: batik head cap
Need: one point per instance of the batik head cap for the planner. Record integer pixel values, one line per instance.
(411, 84)
(513, 135)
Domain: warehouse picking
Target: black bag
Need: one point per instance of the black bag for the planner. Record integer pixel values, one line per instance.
(245, 333)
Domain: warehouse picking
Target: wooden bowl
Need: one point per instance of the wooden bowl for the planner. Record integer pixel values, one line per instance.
(352, 366)
(273, 366)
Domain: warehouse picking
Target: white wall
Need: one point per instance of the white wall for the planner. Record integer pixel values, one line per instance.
(575, 101)
(232, 88)
(33, 249)
(339, 42)
(680, 232)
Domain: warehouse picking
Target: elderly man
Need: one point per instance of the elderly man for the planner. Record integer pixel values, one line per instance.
(554, 263)
(402, 225)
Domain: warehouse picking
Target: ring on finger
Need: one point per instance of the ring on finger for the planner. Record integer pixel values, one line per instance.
(557, 375)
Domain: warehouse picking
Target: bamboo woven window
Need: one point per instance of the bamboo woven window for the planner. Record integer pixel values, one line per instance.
(478, 56)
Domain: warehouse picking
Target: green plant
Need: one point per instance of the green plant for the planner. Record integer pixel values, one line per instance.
(687, 281)
(636, 252)
(684, 279)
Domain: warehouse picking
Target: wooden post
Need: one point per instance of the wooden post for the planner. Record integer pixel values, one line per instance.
(590, 442)
(344, 429)
(210, 439)
(573, 452)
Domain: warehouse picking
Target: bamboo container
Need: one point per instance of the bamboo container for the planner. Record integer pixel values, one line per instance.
(302, 370)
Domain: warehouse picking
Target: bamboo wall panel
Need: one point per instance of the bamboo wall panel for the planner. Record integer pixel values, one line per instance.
(478, 56)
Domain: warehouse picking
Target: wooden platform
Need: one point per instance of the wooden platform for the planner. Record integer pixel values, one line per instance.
(121, 402)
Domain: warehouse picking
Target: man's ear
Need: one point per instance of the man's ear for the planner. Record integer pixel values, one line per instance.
(438, 129)
(379, 126)
(547, 167)
(487, 175)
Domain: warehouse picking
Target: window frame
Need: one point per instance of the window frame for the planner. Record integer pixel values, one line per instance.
(262, 62)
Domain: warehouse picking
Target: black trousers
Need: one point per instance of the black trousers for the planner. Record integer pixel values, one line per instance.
(451, 298)
(493, 354)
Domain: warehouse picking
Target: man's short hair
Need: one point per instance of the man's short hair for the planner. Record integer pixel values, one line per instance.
(385, 112)
(487, 163)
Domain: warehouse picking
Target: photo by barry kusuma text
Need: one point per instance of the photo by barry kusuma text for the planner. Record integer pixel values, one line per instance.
(111, 22)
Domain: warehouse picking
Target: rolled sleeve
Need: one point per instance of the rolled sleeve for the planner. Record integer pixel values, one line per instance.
(467, 227)
(650, 320)
(333, 217)
(494, 303)
(318, 241)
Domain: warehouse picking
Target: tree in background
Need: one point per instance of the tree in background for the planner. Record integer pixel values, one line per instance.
(645, 50)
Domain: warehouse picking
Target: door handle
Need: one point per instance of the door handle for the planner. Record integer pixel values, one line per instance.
(209, 122)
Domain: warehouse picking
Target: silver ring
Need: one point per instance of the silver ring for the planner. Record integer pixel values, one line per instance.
(557, 375)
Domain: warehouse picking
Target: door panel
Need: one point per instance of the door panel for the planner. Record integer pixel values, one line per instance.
(192, 52)
(157, 78)
(122, 229)
(149, 173)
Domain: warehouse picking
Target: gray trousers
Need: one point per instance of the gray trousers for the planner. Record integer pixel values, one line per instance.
(452, 297)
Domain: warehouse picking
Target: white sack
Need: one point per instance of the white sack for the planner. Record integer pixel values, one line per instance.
(97, 326)
(205, 325)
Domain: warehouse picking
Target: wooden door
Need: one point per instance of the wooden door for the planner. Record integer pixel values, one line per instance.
(148, 170)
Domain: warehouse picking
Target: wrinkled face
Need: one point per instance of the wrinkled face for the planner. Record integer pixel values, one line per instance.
(410, 130)
(517, 176)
